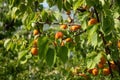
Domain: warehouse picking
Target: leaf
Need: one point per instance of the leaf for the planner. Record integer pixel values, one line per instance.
(92, 35)
(50, 57)
(93, 59)
(44, 15)
(107, 22)
(22, 54)
(77, 4)
(26, 59)
(59, 4)
(66, 6)
(7, 41)
(63, 54)
(43, 46)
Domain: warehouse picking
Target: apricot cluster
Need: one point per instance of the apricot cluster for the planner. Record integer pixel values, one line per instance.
(34, 49)
(101, 65)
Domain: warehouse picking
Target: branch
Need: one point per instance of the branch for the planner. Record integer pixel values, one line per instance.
(80, 33)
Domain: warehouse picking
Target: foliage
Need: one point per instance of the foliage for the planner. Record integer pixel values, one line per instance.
(92, 33)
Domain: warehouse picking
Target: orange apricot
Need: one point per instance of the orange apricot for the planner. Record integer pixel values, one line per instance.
(112, 65)
(75, 27)
(95, 71)
(68, 39)
(63, 26)
(92, 21)
(35, 42)
(102, 60)
(100, 65)
(34, 51)
(35, 32)
(106, 71)
(118, 44)
(58, 35)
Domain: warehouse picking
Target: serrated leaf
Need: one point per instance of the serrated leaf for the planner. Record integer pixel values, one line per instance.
(63, 54)
(93, 60)
(50, 57)
(92, 35)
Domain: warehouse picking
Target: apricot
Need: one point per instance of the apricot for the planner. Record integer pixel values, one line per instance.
(35, 32)
(68, 39)
(58, 35)
(106, 71)
(118, 44)
(34, 51)
(92, 21)
(100, 65)
(35, 42)
(95, 71)
(63, 26)
(75, 27)
(112, 65)
(102, 60)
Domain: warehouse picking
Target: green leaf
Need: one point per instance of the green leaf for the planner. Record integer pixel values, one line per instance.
(107, 22)
(7, 41)
(63, 54)
(22, 54)
(92, 35)
(50, 57)
(43, 46)
(93, 59)
(44, 15)
(77, 4)
(66, 6)
(59, 4)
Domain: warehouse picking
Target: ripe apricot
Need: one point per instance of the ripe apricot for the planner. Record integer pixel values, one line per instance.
(58, 35)
(35, 42)
(35, 32)
(34, 51)
(112, 65)
(118, 44)
(68, 39)
(92, 21)
(95, 71)
(75, 27)
(63, 26)
(102, 60)
(106, 71)
(100, 65)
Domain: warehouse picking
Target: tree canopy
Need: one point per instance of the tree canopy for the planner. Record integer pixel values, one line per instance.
(59, 39)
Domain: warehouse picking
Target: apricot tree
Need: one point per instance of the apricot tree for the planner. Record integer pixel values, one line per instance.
(68, 39)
